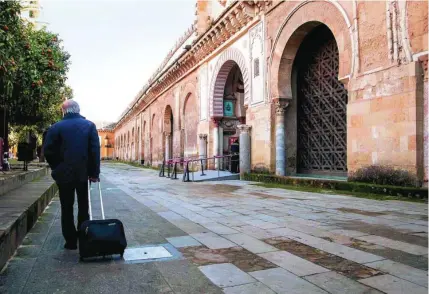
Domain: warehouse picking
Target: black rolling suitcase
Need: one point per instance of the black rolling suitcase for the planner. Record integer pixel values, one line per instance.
(101, 237)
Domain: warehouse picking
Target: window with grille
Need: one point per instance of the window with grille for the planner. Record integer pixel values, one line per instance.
(256, 67)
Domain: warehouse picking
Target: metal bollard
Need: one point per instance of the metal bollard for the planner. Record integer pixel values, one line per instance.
(202, 168)
(168, 169)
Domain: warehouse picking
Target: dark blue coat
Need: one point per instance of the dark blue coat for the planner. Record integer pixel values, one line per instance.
(72, 149)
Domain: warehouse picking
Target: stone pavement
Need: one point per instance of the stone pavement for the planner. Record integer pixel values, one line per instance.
(234, 237)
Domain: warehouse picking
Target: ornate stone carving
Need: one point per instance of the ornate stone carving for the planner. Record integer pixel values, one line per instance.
(229, 124)
(244, 128)
(281, 107)
(203, 136)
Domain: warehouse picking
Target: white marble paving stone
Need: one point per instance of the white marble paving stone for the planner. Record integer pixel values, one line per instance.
(336, 283)
(296, 265)
(417, 276)
(393, 285)
(262, 224)
(268, 218)
(253, 288)
(189, 227)
(230, 221)
(252, 244)
(213, 241)
(398, 245)
(226, 275)
(348, 233)
(183, 241)
(210, 214)
(219, 228)
(406, 228)
(255, 232)
(282, 281)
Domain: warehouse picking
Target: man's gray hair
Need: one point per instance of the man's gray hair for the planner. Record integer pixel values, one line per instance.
(70, 106)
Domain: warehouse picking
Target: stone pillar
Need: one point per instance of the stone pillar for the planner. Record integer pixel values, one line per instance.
(203, 148)
(280, 139)
(244, 149)
(220, 134)
(167, 146)
(216, 143)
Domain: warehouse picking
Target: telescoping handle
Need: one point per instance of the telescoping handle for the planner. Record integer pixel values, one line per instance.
(89, 200)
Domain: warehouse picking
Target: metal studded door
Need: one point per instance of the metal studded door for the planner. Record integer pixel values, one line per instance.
(322, 100)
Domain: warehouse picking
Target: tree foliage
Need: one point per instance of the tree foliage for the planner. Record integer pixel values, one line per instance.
(33, 69)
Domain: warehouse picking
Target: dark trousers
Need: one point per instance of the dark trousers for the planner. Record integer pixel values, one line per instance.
(67, 195)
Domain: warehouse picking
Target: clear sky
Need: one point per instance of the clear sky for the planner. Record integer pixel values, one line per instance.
(115, 46)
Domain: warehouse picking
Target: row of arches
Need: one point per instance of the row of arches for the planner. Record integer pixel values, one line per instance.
(160, 135)
(309, 61)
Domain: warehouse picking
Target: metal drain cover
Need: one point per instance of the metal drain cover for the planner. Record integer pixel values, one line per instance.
(146, 253)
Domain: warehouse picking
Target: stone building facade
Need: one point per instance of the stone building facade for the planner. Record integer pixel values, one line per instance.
(106, 136)
(317, 87)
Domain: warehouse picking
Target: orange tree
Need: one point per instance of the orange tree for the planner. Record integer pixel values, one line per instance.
(33, 69)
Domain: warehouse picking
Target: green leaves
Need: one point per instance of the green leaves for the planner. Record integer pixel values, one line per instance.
(33, 70)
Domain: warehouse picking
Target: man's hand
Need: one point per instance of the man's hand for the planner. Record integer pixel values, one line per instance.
(94, 180)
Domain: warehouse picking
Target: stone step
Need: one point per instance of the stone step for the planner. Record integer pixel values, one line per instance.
(19, 210)
(13, 179)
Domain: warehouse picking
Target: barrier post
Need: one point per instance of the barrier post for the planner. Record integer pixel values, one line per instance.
(174, 174)
(168, 169)
(202, 168)
(161, 172)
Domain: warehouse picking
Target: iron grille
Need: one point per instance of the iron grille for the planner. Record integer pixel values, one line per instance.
(322, 101)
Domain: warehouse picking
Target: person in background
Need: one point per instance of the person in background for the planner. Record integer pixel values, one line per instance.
(72, 150)
(235, 149)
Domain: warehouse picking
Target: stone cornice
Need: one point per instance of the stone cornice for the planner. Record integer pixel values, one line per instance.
(236, 17)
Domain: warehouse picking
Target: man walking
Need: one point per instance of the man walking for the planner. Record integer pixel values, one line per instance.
(72, 149)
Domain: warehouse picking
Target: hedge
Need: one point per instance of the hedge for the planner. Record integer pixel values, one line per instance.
(410, 192)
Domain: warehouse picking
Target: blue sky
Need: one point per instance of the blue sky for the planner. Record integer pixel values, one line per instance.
(115, 46)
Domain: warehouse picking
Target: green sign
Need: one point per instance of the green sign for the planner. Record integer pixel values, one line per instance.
(228, 108)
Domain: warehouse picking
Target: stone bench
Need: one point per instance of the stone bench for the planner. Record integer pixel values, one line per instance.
(19, 211)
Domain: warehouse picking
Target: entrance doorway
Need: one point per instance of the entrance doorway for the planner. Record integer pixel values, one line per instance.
(233, 115)
(321, 107)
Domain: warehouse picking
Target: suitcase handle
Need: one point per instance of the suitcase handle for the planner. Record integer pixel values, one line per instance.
(89, 200)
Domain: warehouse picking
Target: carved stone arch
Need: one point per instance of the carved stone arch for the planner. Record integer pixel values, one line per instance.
(226, 61)
(152, 125)
(189, 89)
(168, 113)
(303, 19)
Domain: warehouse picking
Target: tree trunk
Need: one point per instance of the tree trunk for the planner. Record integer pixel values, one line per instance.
(4, 129)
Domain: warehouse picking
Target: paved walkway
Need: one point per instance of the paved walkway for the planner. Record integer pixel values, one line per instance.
(234, 237)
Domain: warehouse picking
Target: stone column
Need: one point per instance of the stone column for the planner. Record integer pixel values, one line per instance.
(216, 143)
(203, 148)
(280, 139)
(167, 146)
(244, 149)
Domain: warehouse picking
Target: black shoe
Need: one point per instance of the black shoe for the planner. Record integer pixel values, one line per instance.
(70, 246)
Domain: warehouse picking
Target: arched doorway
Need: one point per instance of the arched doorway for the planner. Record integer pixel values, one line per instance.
(168, 132)
(152, 137)
(138, 145)
(132, 153)
(143, 142)
(229, 91)
(321, 106)
(233, 108)
(228, 107)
